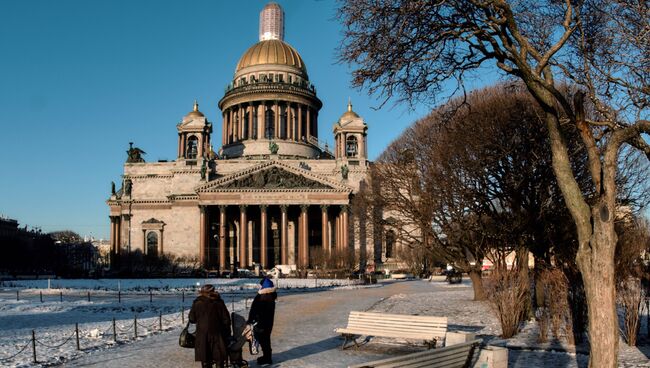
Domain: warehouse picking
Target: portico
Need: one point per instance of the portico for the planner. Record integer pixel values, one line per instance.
(271, 214)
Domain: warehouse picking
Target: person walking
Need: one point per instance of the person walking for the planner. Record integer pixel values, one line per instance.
(212, 320)
(262, 314)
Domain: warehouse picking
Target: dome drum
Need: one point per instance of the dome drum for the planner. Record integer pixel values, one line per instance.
(260, 148)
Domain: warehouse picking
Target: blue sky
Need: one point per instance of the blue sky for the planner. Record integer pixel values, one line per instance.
(80, 79)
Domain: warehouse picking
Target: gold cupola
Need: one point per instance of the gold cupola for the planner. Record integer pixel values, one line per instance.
(270, 101)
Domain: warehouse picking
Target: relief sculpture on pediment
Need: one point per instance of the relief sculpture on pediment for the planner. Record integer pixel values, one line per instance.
(275, 178)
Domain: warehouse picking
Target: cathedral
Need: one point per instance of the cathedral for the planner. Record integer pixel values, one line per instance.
(273, 193)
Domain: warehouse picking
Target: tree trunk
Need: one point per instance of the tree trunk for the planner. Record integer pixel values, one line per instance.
(596, 263)
(597, 242)
(522, 268)
(477, 283)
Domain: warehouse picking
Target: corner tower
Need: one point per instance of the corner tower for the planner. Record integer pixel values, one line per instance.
(270, 107)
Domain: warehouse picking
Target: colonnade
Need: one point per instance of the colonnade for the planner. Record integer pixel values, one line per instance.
(253, 228)
(269, 120)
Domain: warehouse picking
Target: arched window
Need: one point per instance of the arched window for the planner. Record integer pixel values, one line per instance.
(352, 146)
(390, 243)
(269, 123)
(192, 147)
(152, 244)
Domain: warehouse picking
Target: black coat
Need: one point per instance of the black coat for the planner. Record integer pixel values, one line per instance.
(263, 311)
(212, 328)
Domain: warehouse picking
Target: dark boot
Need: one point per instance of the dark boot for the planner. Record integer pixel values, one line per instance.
(264, 359)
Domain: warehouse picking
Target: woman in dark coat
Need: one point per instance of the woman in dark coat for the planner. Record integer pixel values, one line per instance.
(212, 320)
(263, 312)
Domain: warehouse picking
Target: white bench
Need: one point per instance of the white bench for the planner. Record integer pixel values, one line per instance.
(453, 356)
(427, 328)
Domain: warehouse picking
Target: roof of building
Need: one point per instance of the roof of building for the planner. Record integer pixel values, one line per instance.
(274, 52)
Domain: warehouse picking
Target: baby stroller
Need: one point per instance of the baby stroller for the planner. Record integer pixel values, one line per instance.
(242, 333)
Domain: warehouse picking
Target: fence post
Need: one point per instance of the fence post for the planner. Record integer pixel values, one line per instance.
(160, 321)
(150, 296)
(114, 331)
(232, 303)
(119, 296)
(61, 296)
(41, 296)
(316, 282)
(17, 295)
(135, 325)
(183, 300)
(89, 296)
(183, 315)
(34, 345)
(76, 331)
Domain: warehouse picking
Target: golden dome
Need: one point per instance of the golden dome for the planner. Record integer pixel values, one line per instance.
(195, 111)
(271, 52)
(349, 114)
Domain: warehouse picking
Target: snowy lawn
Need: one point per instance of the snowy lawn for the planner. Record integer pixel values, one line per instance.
(140, 308)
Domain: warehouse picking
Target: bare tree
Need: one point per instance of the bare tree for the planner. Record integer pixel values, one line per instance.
(412, 48)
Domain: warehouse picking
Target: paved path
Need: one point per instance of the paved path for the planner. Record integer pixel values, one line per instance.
(302, 337)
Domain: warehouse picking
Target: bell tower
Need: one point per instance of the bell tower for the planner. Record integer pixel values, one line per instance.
(350, 137)
(194, 135)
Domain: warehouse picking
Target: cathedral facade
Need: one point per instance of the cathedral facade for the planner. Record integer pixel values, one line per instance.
(271, 194)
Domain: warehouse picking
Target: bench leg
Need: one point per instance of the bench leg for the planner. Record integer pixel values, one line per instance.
(431, 344)
(349, 337)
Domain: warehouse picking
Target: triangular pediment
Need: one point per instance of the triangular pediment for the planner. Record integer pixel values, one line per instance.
(272, 176)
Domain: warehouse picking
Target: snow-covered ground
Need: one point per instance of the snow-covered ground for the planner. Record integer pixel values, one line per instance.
(145, 305)
(313, 344)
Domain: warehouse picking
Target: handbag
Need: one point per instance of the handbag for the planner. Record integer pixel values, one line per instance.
(186, 340)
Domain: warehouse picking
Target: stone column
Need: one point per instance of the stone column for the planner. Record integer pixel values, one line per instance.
(222, 238)
(284, 245)
(263, 235)
(303, 236)
(240, 123)
(223, 128)
(203, 236)
(324, 229)
(231, 126)
(261, 110)
(118, 235)
(308, 125)
(345, 227)
(299, 122)
(289, 121)
(362, 147)
(180, 142)
(113, 234)
(250, 120)
(337, 226)
(243, 241)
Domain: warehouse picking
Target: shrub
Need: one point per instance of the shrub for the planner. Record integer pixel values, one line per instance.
(508, 296)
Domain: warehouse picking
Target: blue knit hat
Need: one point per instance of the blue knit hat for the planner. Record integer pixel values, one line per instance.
(266, 283)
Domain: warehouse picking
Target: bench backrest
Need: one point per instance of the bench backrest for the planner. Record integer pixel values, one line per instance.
(398, 323)
(453, 356)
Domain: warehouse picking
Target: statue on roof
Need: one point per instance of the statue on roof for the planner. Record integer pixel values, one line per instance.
(134, 154)
(112, 188)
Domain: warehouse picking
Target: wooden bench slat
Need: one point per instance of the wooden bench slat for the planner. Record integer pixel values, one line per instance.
(427, 328)
(370, 330)
(398, 317)
(401, 324)
(454, 356)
